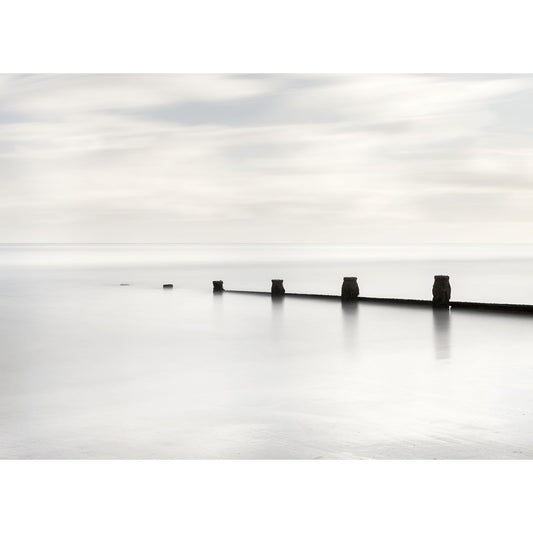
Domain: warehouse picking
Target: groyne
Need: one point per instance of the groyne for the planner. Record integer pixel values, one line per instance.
(441, 296)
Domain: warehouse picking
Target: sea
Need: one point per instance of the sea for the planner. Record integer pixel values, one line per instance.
(98, 361)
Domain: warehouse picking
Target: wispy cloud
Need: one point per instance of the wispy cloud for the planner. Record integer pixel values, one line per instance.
(244, 158)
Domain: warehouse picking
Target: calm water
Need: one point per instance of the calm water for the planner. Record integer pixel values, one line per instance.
(92, 369)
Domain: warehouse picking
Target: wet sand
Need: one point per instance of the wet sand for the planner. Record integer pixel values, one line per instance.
(92, 369)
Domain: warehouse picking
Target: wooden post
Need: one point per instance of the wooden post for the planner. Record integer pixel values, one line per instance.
(350, 290)
(441, 291)
(218, 286)
(277, 288)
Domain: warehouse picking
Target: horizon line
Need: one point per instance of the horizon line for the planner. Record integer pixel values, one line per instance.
(274, 242)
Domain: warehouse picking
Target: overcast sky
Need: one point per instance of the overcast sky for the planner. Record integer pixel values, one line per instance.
(266, 158)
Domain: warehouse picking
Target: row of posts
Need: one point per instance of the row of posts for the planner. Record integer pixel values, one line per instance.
(350, 289)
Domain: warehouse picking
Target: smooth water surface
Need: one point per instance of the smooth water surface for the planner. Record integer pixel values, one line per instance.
(92, 369)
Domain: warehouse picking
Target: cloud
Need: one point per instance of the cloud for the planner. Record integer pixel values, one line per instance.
(265, 157)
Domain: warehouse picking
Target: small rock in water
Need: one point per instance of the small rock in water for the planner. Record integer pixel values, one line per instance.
(168, 286)
(124, 284)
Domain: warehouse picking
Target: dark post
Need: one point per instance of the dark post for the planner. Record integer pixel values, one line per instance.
(350, 290)
(218, 286)
(441, 291)
(277, 288)
(168, 286)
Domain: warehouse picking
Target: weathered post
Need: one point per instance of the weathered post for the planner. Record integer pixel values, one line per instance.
(218, 286)
(350, 290)
(277, 288)
(441, 291)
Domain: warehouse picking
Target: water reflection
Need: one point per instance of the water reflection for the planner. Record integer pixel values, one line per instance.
(218, 307)
(441, 333)
(277, 315)
(349, 325)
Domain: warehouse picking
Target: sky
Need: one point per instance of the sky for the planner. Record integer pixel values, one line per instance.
(266, 158)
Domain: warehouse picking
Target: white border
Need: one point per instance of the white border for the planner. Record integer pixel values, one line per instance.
(275, 36)
(265, 496)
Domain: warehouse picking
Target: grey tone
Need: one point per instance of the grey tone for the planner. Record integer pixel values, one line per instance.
(94, 370)
(264, 158)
